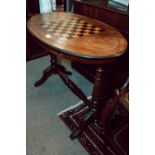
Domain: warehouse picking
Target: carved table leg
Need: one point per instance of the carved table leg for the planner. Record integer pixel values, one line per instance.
(86, 120)
(52, 69)
(73, 87)
(47, 72)
(98, 98)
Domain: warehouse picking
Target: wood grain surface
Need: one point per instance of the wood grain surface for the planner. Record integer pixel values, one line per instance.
(108, 43)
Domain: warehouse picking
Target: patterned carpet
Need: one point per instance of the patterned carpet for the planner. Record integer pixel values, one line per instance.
(92, 139)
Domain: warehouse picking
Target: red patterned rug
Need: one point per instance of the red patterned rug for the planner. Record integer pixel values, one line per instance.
(92, 139)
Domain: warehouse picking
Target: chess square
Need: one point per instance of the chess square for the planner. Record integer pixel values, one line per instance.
(70, 28)
(86, 34)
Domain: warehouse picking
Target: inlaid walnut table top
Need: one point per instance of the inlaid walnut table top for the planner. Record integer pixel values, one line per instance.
(77, 35)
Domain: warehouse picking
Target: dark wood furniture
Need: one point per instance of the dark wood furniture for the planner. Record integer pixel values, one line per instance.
(100, 10)
(59, 2)
(93, 43)
(115, 117)
(33, 49)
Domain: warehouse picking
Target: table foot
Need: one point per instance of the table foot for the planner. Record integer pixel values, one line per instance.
(86, 120)
(75, 134)
(68, 73)
(46, 73)
(40, 82)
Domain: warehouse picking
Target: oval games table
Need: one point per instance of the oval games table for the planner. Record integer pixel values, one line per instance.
(81, 39)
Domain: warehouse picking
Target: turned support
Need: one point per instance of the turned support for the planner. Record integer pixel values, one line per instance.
(99, 89)
(98, 99)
